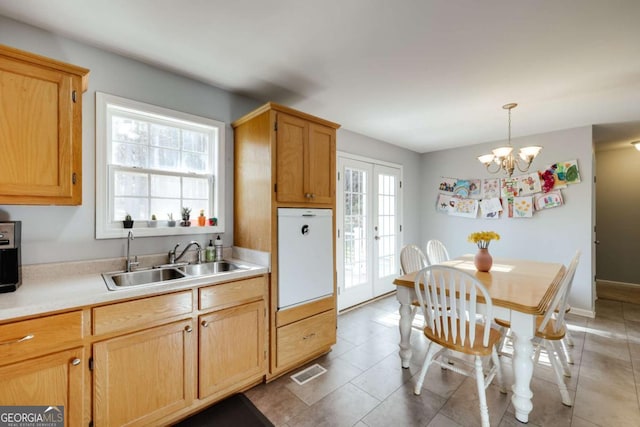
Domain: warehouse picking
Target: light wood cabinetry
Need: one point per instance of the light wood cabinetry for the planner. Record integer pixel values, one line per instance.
(141, 377)
(42, 362)
(40, 129)
(232, 344)
(285, 158)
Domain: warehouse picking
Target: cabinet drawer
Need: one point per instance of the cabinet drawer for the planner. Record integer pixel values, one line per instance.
(301, 339)
(28, 338)
(141, 312)
(232, 293)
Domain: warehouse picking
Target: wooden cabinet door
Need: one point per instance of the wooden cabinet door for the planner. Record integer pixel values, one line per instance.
(54, 380)
(41, 133)
(141, 377)
(320, 164)
(292, 138)
(232, 347)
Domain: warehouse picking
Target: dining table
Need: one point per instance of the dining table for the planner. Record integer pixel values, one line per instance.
(520, 291)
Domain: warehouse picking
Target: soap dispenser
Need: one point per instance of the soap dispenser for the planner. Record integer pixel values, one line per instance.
(218, 249)
(209, 253)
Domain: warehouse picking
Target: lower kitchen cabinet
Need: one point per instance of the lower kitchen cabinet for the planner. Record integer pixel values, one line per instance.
(53, 380)
(298, 341)
(232, 348)
(143, 376)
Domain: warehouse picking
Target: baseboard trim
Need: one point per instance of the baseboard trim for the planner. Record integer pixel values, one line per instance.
(614, 283)
(582, 312)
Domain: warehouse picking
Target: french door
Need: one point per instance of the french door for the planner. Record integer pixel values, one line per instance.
(368, 227)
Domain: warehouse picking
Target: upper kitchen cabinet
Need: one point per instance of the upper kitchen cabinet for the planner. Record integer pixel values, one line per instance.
(305, 160)
(40, 129)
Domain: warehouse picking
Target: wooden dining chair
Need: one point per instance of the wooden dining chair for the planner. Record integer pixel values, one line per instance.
(436, 252)
(551, 329)
(448, 298)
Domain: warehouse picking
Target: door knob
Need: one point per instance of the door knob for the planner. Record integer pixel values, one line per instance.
(597, 242)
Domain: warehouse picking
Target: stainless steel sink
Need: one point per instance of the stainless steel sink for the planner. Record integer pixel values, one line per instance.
(121, 280)
(210, 268)
(157, 276)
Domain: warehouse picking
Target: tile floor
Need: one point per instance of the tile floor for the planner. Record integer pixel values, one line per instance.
(365, 386)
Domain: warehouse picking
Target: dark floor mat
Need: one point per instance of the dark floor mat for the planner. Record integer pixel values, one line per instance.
(234, 411)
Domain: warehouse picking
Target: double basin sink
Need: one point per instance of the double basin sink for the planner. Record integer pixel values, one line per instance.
(156, 276)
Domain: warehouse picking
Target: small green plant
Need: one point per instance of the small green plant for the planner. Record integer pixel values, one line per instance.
(127, 217)
(170, 215)
(186, 213)
(153, 217)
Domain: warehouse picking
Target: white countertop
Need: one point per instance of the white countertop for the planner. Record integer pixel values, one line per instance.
(39, 295)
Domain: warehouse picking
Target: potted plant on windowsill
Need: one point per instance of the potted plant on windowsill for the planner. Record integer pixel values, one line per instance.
(186, 213)
(127, 222)
(153, 222)
(171, 222)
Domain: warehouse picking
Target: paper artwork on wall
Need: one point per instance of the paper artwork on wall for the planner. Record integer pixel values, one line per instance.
(490, 188)
(548, 200)
(490, 208)
(528, 184)
(523, 207)
(447, 185)
(569, 171)
(513, 197)
(467, 208)
(445, 203)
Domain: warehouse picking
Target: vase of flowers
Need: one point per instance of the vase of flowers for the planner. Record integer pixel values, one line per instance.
(483, 259)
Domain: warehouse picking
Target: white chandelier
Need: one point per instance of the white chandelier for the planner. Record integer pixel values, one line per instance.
(503, 156)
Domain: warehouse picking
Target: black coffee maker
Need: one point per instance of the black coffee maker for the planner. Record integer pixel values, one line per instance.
(10, 277)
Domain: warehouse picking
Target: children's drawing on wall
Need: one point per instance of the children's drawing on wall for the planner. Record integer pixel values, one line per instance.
(568, 171)
(445, 203)
(490, 188)
(461, 188)
(447, 185)
(523, 207)
(467, 208)
(490, 208)
(548, 200)
(514, 197)
(528, 184)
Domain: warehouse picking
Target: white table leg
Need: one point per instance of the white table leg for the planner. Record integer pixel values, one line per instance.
(404, 296)
(523, 328)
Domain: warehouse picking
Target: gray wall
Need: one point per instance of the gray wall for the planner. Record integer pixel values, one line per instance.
(65, 233)
(617, 212)
(551, 235)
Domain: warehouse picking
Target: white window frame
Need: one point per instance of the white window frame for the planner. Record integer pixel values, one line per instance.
(107, 228)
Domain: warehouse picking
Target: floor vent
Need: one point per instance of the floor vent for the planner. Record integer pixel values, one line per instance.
(308, 374)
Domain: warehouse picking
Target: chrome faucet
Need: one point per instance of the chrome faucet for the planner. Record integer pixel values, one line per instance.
(130, 264)
(172, 254)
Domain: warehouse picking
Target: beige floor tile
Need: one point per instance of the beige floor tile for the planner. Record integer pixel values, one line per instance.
(276, 402)
(607, 309)
(369, 353)
(604, 403)
(548, 409)
(382, 379)
(339, 372)
(581, 422)
(343, 407)
(463, 406)
(607, 369)
(405, 409)
(631, 311)
(441, 421)
(612, 345)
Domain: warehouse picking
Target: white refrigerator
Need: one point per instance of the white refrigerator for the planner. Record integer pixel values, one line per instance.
(305, 255)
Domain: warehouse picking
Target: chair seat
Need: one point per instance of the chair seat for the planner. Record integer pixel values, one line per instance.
(477, 349)
(549, 332)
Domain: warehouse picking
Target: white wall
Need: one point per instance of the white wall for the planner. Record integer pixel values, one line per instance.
(65, 233)
(551, 235)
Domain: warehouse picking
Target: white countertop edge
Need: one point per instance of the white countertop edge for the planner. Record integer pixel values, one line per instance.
(44, 295)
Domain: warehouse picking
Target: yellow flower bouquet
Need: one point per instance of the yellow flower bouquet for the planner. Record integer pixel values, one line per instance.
(483, 238)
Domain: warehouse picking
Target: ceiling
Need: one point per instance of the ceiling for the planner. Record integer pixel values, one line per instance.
(421, 74)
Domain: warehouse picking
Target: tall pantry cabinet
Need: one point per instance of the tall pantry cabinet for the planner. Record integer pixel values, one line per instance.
(285, 158)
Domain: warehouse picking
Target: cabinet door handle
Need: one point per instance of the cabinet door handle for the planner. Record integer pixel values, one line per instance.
(24, 338)
(307, 195)
(311, 335)
(204, 323)
(75, 362)
(188, 328)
